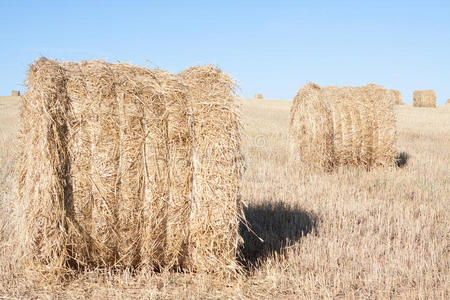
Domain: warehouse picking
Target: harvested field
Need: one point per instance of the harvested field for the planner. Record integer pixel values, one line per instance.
(348, 234)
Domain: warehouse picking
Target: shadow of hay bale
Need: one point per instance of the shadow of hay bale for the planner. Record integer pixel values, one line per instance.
(278, 225)
(402, 159)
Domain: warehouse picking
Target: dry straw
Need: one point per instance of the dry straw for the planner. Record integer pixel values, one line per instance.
(15, 93)
(216, 206)
(42, 170)
(425, 98)
(397, 96)
(448, 102)
(258, 97)
(338, 126)
(122, 166)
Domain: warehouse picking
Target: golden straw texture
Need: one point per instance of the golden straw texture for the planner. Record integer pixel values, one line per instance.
(180, 146)
(397, 97)
(42, 170)
(106, 169)
(425, 98)
(216, 208)
(338, 126)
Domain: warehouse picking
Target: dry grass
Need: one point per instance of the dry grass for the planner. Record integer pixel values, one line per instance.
(350, 234)
(425, 98)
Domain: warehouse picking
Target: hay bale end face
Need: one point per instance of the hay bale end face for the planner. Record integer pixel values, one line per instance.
(42, 169)
(448, 102)
(342, 126)
(15, 93)
(425, 98)
(121, 166)
(258, 97)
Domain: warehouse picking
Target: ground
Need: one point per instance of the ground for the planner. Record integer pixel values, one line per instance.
(352, 233)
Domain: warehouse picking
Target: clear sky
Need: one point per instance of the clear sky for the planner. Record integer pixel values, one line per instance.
(270, 47)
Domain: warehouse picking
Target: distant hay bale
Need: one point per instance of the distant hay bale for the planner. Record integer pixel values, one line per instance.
(216, 209)
(425, 98)
(258, 97)
(448, 102)
(121, 166)
(15, 93)
(397, 97)
(340, 126)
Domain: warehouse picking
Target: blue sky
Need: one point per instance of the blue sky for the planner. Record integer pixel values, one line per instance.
(270, 47)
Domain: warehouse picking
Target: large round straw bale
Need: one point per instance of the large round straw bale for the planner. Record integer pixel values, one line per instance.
(216, 209)
(15, 93)
(425, 98)
(106, 169)
(337, 126)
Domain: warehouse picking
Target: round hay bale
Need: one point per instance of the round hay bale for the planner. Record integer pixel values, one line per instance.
(342, 126)
(425, 98)
(106, 169)
(15, 93)
(397, 97)
(258, 97)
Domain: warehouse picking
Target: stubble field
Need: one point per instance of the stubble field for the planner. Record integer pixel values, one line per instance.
(349, 234)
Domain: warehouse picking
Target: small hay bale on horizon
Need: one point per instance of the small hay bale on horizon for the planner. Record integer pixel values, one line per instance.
(258, 97)
(15, 93)
(424, 98)
(448, 102)
(121, 166)
(397, 97)
(342, 126)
